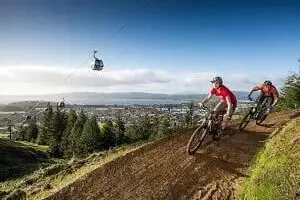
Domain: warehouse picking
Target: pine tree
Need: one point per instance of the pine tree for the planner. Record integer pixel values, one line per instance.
(46, 126)
(59, 123)
(96, 129)
(90, 137)
(120, 126)
(108, 137)
(189, 114)
(65, 141)
(76, 132)
(165, 126)
(133, 133)
(31, 131)
(21, 133)
(145, 127)
(142, 130)
(156, 133)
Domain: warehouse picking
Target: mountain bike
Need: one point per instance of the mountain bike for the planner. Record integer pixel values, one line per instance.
(211, 125)
(256, 113)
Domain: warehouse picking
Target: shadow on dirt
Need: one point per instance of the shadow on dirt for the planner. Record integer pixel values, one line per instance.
(235, 135)
(220, 163)
(267, 125)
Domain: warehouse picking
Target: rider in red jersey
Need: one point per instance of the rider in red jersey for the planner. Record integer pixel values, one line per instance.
(227, 102)
(268, 91)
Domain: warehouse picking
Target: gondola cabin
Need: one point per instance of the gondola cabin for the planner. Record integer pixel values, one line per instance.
(98, 65)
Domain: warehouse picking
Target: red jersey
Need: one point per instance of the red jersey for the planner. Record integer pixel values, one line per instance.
(268, 91)
(222, 92)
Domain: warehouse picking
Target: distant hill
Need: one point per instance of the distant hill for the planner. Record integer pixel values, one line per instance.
(125, 98)
(23, 105)
(10, 108)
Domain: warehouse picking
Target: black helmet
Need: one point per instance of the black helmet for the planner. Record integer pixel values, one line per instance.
(217, 79)
(268, 83)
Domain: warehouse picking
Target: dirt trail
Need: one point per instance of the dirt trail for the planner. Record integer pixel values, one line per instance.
(163, 170)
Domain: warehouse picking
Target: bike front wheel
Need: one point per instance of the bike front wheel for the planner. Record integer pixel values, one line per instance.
(196, 139)
(245, 121)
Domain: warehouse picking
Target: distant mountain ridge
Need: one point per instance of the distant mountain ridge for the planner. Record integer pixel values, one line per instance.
(95, 98)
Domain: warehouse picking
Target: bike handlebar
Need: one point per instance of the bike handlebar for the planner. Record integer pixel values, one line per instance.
(249, 97)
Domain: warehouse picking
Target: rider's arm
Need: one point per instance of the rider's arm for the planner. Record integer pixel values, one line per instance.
(276, 97)
(254, 89)
(206, 99)
(229, 105)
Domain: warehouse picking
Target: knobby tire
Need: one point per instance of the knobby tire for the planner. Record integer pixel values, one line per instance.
(196, 139)
(245, 121)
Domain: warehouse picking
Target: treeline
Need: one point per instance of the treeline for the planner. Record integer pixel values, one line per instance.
(290, 92)
(71, 134)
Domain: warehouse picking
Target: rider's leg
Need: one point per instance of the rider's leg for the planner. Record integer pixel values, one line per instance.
(226, 119)
(220, 107)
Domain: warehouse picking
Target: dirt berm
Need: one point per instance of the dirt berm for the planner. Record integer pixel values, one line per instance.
(164, 170)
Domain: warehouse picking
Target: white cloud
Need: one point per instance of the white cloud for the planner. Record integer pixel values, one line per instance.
(43, 80)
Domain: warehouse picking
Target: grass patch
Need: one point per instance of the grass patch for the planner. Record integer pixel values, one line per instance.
(20, 158)
(10, 185)
(4, 135)
(275, 173)
(6, 142)
(37, 147)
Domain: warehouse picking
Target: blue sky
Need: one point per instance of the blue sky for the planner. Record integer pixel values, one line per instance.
(243, 41)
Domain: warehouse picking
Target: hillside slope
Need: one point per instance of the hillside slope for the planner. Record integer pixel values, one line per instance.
(276, 172)
(163, 170)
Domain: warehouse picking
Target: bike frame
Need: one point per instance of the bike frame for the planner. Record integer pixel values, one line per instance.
(210, 125)
(210, 121)
(257, 113)
(258, 109)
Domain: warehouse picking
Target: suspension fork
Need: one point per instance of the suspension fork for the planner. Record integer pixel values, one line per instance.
(210, 125)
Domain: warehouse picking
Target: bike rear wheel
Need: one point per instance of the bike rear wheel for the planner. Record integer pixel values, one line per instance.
(245, 121)
(196, 139)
